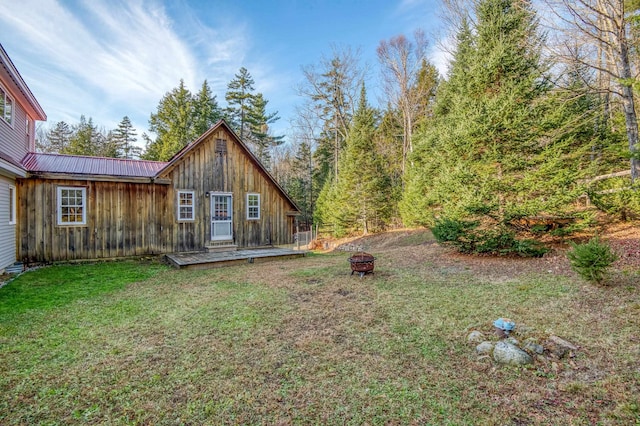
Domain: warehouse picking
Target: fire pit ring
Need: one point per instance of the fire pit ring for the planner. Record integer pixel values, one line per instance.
(362, 263)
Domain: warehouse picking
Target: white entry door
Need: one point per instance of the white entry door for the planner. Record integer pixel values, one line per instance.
(221, 214)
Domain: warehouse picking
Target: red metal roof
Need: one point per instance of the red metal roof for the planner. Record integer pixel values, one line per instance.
(74, 164)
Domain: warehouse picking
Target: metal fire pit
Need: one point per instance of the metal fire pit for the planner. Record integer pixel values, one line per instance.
(362, 263)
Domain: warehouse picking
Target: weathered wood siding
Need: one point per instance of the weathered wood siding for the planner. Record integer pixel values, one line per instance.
(123, 219)
(217, 166)
(133, 219)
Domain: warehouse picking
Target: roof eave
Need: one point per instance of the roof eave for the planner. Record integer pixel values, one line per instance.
(11, 170)
(99, 178)
(36, 110)
(222, 123)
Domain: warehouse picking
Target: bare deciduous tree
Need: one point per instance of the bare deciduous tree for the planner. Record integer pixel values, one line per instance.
(331, 89)
(596, 35)
(402, 60)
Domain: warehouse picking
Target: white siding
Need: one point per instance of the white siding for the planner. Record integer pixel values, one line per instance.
(7, 232)
(13, 138)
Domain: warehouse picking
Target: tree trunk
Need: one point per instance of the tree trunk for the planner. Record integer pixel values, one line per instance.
(630, 117)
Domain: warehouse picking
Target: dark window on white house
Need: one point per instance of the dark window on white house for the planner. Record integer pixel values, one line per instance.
(12, 205)
(6, 106)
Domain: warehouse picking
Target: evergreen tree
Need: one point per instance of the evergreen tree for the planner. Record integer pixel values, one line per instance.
(302, 189)
(239, 96)
(360, 200)
(206, 110)
(494, 140)
(56, 139)
(258, 121)
(173, 124)
(390, 147)
(331, 92)
(111, 146)
(86, 139)
(124, 138)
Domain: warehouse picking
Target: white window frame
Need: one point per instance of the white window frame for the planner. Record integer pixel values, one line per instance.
(226, 222)
(187, 207)
(4, 95)
(253, 210)
(12, 205)
(60, 206)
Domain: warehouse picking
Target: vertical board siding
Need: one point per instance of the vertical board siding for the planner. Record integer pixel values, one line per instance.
(206, 170)
(133, 219)
(119, 217)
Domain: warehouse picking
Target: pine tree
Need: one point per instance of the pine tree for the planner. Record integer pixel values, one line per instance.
(206, 110)
(111, 146)
(362, 197)
(303, 189)
(239, 96)
(258, 120)
(57, 139)
(124, 140)
(173, 124)
(86, 139)
(495, 138)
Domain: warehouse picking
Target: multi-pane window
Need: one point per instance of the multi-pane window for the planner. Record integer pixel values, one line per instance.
(72, 206)
(6, 106)
(12, 205)
(185, 205)
(253, 206)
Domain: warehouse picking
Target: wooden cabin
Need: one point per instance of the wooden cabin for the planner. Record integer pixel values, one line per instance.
(214, 193)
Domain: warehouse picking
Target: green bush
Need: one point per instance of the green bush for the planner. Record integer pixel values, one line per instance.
(464, 236)
(450, 230)
(591, 260)
(529, 248)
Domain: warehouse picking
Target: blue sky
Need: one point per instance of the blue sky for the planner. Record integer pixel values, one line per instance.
(110, 58)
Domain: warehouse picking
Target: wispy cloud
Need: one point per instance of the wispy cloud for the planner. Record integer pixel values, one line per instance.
(98, 55)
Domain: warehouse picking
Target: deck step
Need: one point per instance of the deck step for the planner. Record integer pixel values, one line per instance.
(16, 268)
(203, 260)
(221, 248)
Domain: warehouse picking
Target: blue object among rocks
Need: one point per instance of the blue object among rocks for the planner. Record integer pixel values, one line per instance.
(504, 324)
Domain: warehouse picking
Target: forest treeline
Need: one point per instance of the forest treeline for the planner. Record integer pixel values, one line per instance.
(180, 118)
(528, 118)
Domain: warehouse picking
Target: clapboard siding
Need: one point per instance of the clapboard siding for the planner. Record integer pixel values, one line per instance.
(14, 140)
(7, 230)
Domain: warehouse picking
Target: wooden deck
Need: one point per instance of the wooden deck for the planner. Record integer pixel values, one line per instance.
(202, 260)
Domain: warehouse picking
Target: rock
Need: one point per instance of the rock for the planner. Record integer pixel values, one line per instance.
(475, 336)
(533, 347)
(560, 347)
(500, 333)
(561, 342)
(513, 341)
(507, 353)
(484, 348)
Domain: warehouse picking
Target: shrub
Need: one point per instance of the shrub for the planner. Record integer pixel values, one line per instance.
(591, 260)
(464, 236)
(450, 230)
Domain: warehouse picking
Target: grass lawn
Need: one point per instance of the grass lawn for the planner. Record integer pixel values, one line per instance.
(304, 342)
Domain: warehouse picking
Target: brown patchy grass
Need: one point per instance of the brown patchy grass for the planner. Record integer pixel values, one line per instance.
(304, 342)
